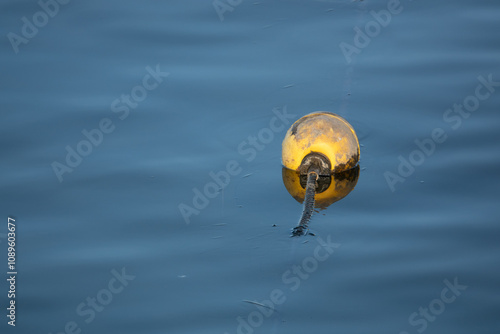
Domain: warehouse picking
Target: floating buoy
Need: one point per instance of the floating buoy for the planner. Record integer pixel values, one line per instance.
(315, 147)
(323, 135)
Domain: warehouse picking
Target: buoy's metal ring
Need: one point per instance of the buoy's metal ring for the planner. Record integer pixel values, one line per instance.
(318, 161)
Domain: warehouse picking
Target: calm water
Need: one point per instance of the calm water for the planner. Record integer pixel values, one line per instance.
(102, 245)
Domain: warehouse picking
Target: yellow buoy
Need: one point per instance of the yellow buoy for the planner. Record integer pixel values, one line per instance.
(324, 136)
(316, 147)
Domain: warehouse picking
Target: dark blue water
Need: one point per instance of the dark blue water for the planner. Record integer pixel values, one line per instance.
(115, 114)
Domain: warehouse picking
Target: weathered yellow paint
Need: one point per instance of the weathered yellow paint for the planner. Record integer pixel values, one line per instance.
(325, 133)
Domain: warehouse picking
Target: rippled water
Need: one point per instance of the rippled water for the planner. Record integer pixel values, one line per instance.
(102, 244)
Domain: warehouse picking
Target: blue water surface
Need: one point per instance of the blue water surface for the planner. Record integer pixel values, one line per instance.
(117, 114)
